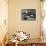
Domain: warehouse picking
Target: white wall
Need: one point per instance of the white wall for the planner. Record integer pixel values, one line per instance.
(14, 18)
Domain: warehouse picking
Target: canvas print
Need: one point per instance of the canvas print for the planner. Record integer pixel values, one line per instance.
(28, 14)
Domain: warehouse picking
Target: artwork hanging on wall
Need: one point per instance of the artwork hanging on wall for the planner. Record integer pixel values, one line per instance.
(28, 14)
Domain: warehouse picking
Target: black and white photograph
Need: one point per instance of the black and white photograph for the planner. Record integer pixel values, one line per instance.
(28, 14)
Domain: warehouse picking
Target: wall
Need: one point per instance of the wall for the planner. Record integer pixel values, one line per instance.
(14, 18)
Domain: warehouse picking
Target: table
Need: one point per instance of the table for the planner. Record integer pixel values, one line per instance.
(35, 42)
(28, 44)
(32, 42)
